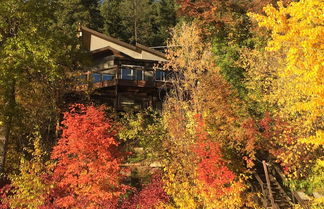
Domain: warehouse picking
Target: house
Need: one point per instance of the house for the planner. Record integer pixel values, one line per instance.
(123, 75)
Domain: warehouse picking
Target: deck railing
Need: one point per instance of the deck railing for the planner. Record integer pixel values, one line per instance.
(125, 75)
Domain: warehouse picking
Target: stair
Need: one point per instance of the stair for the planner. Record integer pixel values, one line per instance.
(281, 198)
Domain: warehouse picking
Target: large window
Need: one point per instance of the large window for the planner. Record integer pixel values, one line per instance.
(108, 75)
(148, 75)
(96, 77)
(139, 75)
(127, 74)
(160, 75)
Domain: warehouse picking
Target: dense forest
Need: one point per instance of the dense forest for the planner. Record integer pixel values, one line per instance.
(246, 99)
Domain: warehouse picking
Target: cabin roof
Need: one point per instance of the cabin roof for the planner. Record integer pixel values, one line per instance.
(97, 42)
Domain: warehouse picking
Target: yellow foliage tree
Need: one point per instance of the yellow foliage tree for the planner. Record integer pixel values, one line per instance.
(288, 78)
(29, 188)
(198, 89)
(188, 60)
(298, 31)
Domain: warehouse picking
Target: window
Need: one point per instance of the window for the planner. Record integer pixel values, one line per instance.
(148, 75)
(160, 75)
(96, 77)
(139, 74)
(107, 77)
(127, 74)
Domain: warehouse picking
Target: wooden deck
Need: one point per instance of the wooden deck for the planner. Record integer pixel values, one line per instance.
(121, 82)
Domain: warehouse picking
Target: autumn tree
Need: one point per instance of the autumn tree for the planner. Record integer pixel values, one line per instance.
(227, 26)
(224, 132)
(4, 190)
(143, 130)
(188, 61)
(216, 181)
(87, 173)
(84, 171)
(29, 188)
(288, 79)
(35, 59)
(303, 64)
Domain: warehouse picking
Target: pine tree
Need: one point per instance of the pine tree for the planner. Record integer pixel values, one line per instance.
(70, 13)
(143, 21)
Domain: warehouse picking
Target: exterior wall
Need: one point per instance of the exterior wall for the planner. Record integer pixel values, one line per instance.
(102, 63)
(86, 38)
(149, 56)
(98, 43)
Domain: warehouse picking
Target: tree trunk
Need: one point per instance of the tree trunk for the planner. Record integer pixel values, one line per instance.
(5, 146)
(6, 130)
(2, 146)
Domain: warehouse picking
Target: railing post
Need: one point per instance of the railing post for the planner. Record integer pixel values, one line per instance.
(116, 102)
(118, 72)
(88, 76)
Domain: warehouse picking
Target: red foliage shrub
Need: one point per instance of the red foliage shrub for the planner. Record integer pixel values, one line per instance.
(3, 196)
(211, 168)
(87, 173)
(149, 197)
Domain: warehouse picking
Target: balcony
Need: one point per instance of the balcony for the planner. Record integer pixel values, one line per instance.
(130, 76)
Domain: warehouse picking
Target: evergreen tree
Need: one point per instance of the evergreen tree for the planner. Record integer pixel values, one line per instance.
(113, 20)
(163, 20)
(70, 13)
(143, 21)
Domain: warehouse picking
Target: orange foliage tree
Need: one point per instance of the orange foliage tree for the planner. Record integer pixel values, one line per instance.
(87, 173)
(219, 187)
(288, 78)
(209, 12)
(200, 165)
